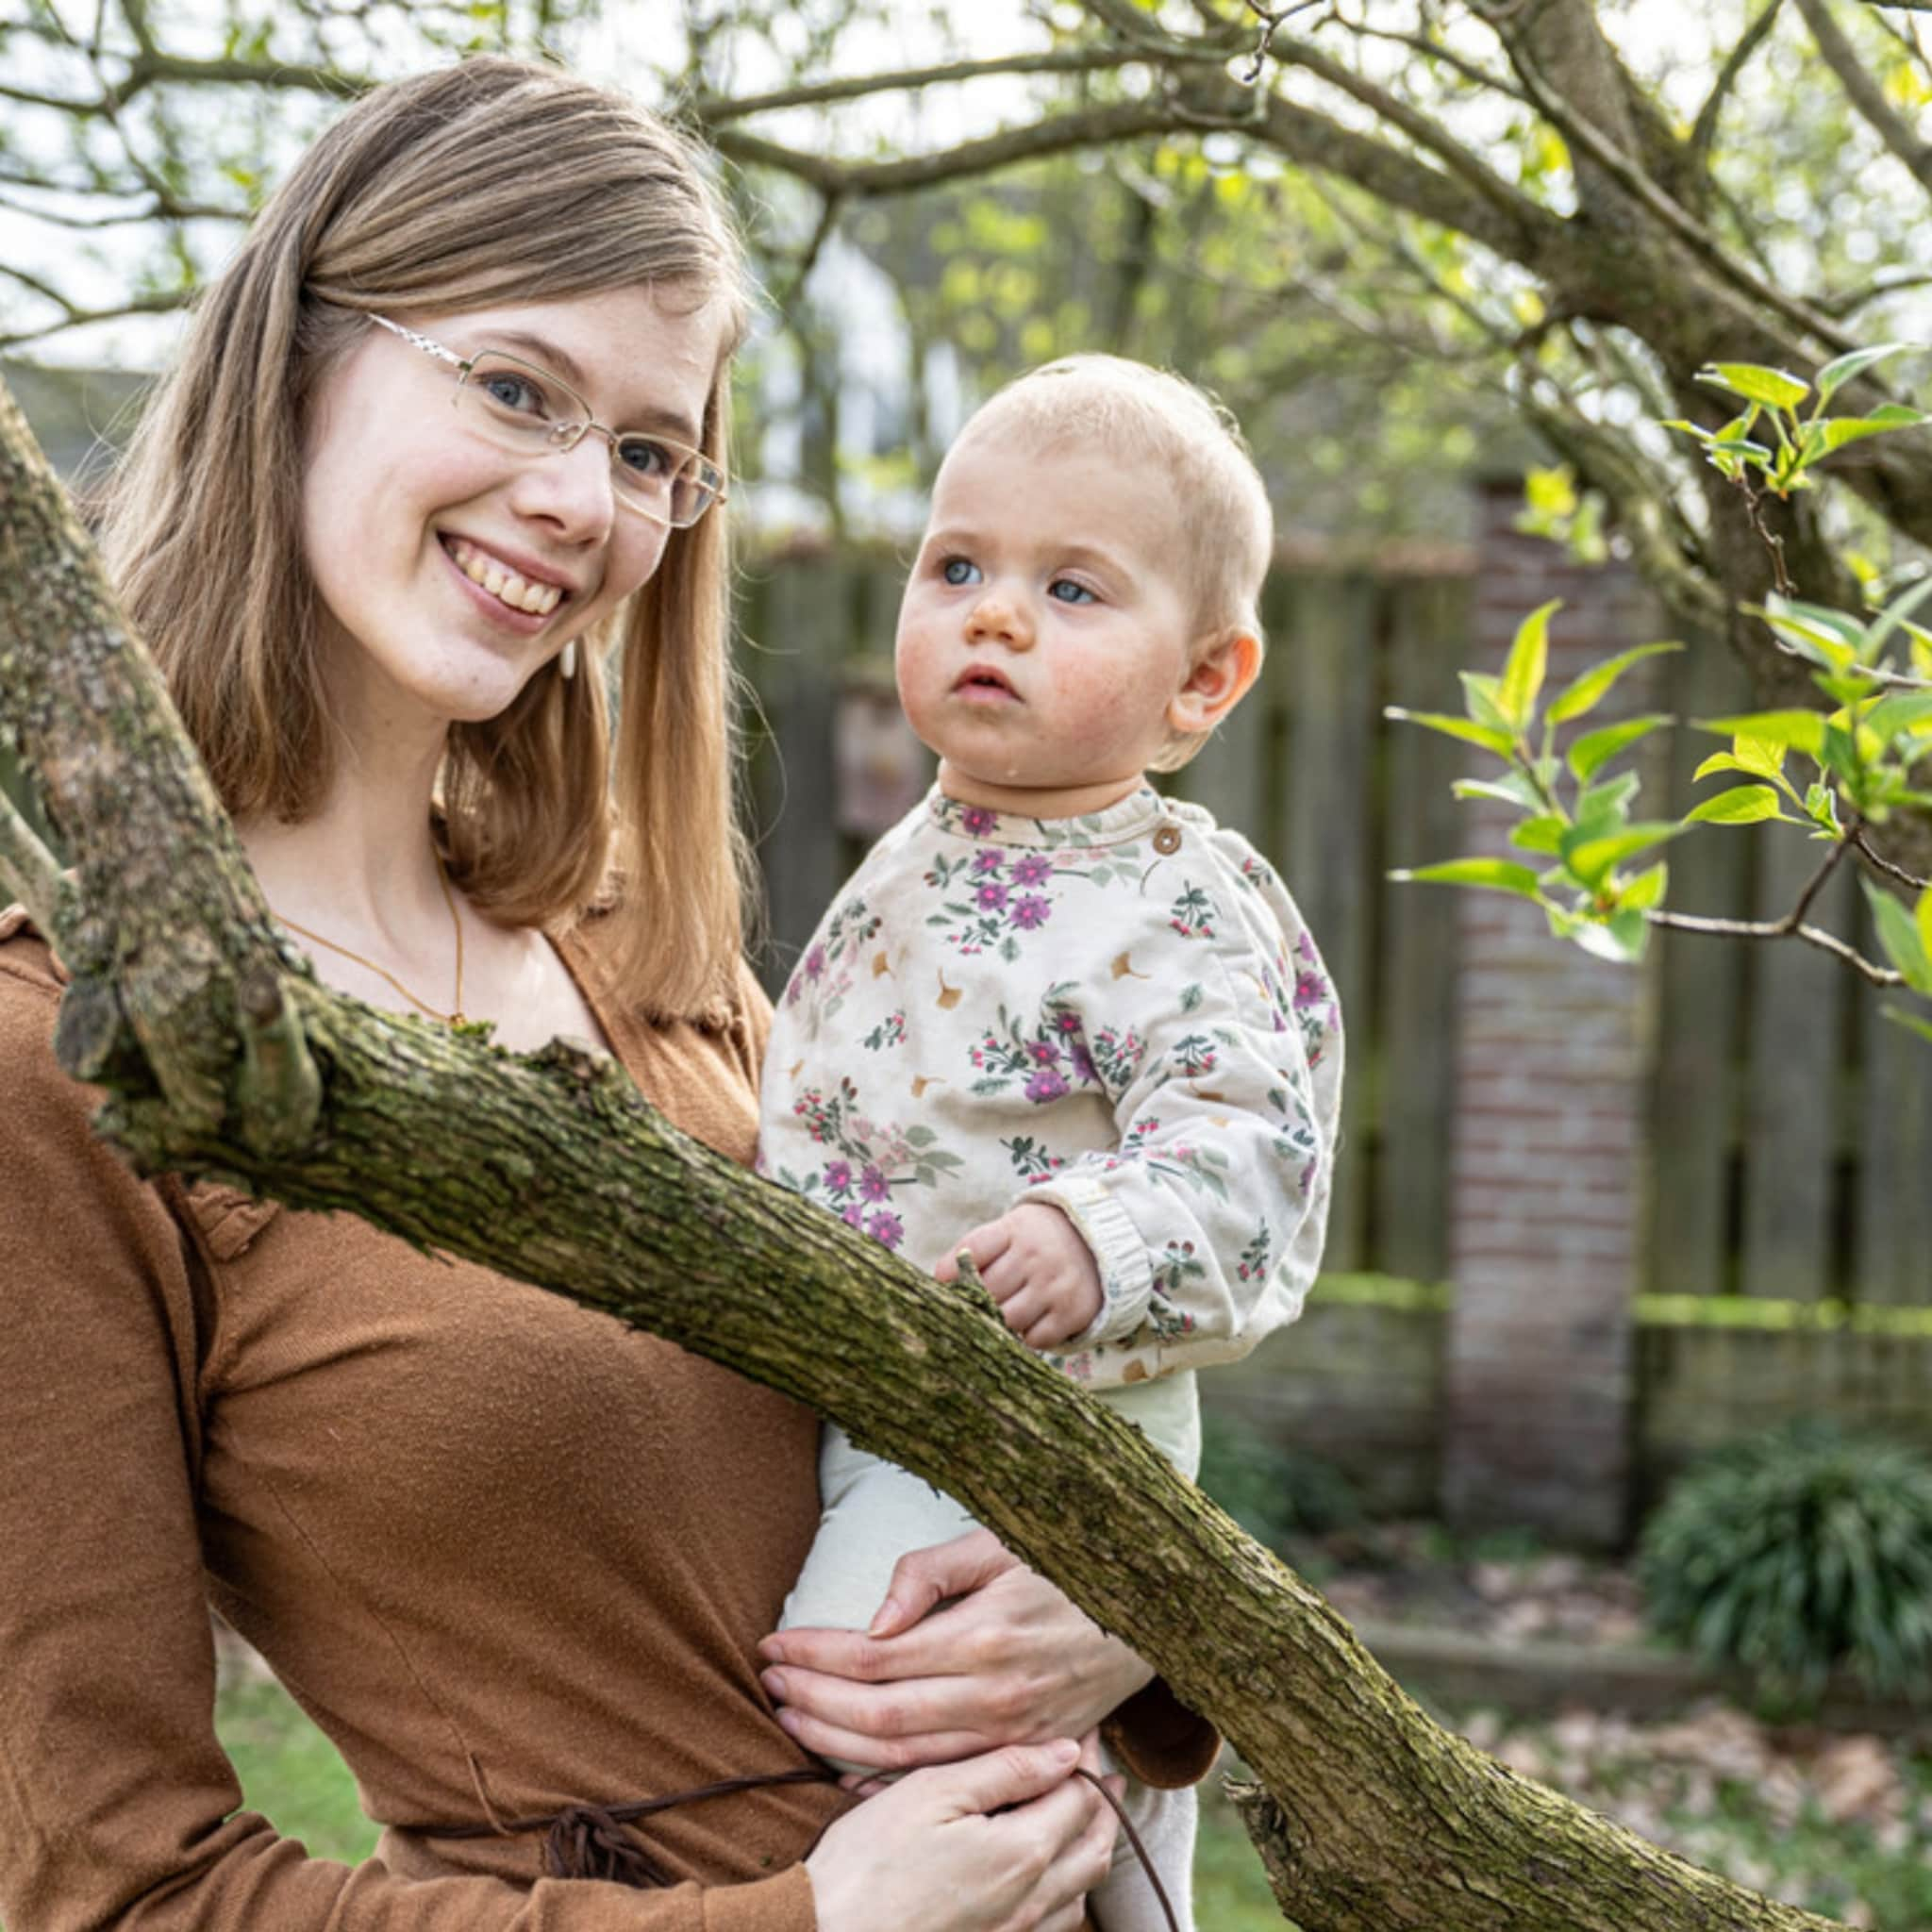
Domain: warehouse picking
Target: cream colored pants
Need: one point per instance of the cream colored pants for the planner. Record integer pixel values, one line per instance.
(872, 1512)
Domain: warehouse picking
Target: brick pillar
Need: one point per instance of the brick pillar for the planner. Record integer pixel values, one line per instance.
(1548, 1130)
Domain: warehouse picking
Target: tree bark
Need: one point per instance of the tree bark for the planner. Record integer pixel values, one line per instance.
(223, 1057)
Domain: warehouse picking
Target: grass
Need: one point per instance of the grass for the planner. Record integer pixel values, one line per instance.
(290, 1773)
(1875, 1876)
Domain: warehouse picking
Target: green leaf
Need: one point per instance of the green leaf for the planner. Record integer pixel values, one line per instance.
(1824, 645)
(1838, 752)
(1618, 939)
(1471, 733)
(1609, 804)
(1835, 375)
(1480, 699)
(1793, 730)
(1742, 805)
(1582, 694)
(1595, 749)
(1499, 874)
(1909, 712)
(1542, 833)
(1844, 429)
(1891, 618)
(1591, 858)
(1646, 889)
(1523, 674)
(1923, 918)
(1513, 788)
(1820, 803)
(1912, 1021)
(1776, 388)
(1899, 934)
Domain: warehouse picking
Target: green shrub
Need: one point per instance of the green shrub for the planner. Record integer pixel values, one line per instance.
(1271, 1491)
(1796, 1552)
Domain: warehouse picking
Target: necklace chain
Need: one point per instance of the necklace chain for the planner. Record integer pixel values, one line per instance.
(452, 1019)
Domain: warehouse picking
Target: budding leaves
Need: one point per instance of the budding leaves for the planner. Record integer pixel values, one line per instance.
(1567, 810)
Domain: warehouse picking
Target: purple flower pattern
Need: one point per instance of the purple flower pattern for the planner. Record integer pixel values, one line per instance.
(975, 893)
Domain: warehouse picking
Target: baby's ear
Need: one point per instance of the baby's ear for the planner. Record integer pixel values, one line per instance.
(1218, 679)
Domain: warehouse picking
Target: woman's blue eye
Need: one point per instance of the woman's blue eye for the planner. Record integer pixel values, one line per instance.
(1067, 591)
(511, 392)
(960, 570)
(645, 457)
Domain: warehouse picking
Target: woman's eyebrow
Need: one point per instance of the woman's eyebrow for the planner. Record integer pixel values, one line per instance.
(671, 422)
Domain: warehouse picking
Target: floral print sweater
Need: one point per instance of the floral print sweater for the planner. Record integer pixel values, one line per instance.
(1122, 1015)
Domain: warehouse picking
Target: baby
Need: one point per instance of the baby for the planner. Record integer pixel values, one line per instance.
(1054, 1021)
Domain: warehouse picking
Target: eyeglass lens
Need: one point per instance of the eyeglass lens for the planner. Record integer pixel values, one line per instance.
(517, 407)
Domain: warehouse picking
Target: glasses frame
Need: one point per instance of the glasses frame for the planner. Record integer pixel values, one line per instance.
(563, 437)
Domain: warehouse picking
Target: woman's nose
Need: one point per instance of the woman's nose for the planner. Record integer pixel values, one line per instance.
(571, 489)
(997, 620)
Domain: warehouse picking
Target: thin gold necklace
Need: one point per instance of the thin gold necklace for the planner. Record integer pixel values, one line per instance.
(454, 1019)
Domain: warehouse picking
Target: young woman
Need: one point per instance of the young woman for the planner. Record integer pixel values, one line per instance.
(448, 434)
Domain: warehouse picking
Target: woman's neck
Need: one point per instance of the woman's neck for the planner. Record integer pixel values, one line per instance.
(364, 862)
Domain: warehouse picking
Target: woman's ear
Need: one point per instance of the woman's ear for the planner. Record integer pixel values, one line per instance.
(1218, 679)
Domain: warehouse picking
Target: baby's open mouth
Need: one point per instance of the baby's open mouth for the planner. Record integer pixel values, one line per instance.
(506, 585)
(979, 678)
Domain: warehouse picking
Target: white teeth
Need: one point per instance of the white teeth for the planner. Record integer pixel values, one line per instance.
(537, 600)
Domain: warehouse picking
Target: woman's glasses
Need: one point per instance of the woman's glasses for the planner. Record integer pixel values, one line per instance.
(527, 411)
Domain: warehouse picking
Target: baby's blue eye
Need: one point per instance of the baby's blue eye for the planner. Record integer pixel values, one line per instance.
(1067, 591)
(960, 570)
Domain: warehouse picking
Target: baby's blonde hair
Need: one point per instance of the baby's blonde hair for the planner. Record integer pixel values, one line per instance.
(1224, 528)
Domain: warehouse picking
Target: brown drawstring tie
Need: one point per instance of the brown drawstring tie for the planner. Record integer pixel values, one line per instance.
(592, 1842)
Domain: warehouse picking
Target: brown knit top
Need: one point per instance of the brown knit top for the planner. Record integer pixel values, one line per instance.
(508, 1555)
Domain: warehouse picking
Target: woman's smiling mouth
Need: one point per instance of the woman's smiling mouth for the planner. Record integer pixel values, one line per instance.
(527, 595)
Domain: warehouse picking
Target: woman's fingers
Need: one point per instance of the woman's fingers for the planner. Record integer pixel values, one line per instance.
(923, 1578)
(898, 1725)
(1003, 1841)
(1009, 1662)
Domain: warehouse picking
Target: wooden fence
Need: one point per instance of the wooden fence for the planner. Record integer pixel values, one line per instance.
(1793, 1144)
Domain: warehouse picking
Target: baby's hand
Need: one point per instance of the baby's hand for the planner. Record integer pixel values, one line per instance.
(1037, 1269)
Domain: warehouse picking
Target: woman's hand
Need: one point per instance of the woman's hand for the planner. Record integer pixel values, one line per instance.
(1011, 1662)
(931, 1852)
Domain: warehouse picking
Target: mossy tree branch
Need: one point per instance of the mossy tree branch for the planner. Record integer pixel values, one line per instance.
(223, 1056)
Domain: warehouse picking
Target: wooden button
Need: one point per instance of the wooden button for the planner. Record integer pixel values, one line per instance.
(1168, 840)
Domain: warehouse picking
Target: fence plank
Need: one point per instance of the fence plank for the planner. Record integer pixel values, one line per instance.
(1891, 1236)
(1324, 835)
(1404, 1055)
(1790, 1144)
(800, 621)
(1701, 1005)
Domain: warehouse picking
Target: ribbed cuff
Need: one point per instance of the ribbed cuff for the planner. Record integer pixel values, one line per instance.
(780, 1904)
(1126, 1273)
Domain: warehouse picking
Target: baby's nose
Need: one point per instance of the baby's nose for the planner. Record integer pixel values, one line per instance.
(997, 620)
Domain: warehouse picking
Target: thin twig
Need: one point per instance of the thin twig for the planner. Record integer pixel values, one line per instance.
(1873, 857)
(1704, 129)
(1777, 929)
(1793, 921)
(713, 110)
(1754, 508)
(828, 220)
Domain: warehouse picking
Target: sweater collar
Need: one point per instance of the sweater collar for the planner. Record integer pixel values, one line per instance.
(1132, 817)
